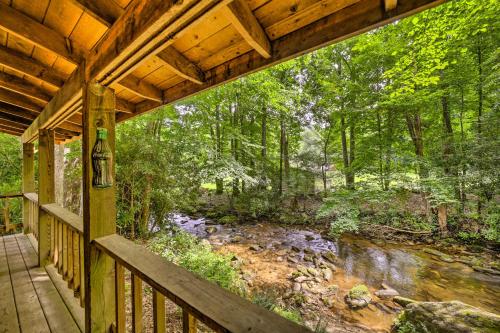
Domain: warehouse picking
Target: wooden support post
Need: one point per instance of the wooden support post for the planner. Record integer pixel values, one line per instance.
(28, 181)
(99, 212)
(158, 312)
(46, 191)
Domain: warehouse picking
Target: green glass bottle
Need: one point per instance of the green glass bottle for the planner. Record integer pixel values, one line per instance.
(101, 161)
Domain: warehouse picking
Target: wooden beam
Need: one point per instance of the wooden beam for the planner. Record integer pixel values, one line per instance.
(17, 111)
(54, 112)
(141, 88)
(23, 87)
(23, 64)
(180, 65)
(390, 4)
(15, 119)
(12, 124)
(105, 11)
(155, 26)
(246, 23)
(46, 191)
(99, 211)
(10, 131)
(28, 180)
(360, 17)
(19, 100)
(124, 106)
(26, 28)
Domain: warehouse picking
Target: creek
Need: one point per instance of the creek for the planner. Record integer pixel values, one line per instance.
(406, 268)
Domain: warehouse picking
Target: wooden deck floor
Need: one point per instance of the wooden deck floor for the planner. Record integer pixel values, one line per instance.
(29, 302)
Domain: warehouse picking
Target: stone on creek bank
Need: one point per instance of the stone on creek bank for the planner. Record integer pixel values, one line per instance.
(386, 293)
(211, 229)
(255, 247)
(439, 255)
(358, 297)
(446, 317)
(486, 270)
(330, 256)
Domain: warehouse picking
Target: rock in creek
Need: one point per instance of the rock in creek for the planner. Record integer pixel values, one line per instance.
(358, 297)
(330, 256)
(386, 293)
(327, 274)
(255, 247)
(447, 317)
(211, 229)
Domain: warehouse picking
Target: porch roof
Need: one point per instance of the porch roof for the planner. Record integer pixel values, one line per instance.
(156, 52)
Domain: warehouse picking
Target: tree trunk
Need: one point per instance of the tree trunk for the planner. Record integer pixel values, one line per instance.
(443, 219)
(219, 182)
(146, 205)
(282, 144)
(415, 129)
(234, 146)
(352, 150)
(345, 154)
(59, 173)
(324, 168)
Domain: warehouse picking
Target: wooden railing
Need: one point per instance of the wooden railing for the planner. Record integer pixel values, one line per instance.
(66, 247)
(31, 225)
(199, 299)
(7, 226)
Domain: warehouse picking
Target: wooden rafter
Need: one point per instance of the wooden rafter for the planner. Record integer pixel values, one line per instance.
(19, 100)
(16, 111)
(10, 131)
(24, 27)
(21, 63)
(141, 88)
(390, 4)
(23, 87)
(355, 19)
(180, 65)
(105, 11)
(55, 111)
(246, 23)
(124, 106)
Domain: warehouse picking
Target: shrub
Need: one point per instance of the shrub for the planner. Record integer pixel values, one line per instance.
(197, 256)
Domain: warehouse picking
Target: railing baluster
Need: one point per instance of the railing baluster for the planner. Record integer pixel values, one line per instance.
(70, 258)
(136, 304)
(120, 297)
(55, 258)
(65, 253)
(82, 272)
(76, 263)
(188, 322)
(52, 238)
(60, 246)
(158, 312)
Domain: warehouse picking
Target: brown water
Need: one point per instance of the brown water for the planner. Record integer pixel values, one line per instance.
(407, 269)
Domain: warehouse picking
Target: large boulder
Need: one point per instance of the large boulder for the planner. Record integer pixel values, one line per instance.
(446, 317)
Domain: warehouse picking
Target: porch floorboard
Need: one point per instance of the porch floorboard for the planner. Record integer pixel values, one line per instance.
(29, 301)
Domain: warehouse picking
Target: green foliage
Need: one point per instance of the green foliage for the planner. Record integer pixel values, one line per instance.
(198, 257)
(268, 300)
(359, 291)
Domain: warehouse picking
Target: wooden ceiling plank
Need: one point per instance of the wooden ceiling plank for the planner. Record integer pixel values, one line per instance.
(19, 100)
(21, 63)
(17, 111)
(246, 23)
(180, 65)
(157, 24)
(65, 98)
(105, 11)
(355, 19)
(23, 26)
(10, 131)
(23, 87)
(124, 106)
(390, 4)
(141, 88)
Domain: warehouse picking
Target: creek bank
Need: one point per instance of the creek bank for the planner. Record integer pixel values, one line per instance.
(314, 274)
(444, 317)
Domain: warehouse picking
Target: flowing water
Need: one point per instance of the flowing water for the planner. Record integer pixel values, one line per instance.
(409, 270)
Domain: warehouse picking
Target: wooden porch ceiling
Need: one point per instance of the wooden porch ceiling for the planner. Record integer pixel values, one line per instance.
(155, 52)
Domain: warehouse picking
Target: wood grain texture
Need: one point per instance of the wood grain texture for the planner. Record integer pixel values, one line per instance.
(46, 191)
(120, 298)
(141, 88)
(19, 100)
(105, 11)
(99, 211)
(390, 4)
(24, 87)
(247, 25)
(28, 180)
(30, 30)
(180, 65)
(158, 312)
(218, 308)
(65, 216)
(136, 294)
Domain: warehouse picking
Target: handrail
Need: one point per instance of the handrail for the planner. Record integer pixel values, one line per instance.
(31, 196)
(72, 220)
(218, 308)
(10, 195)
